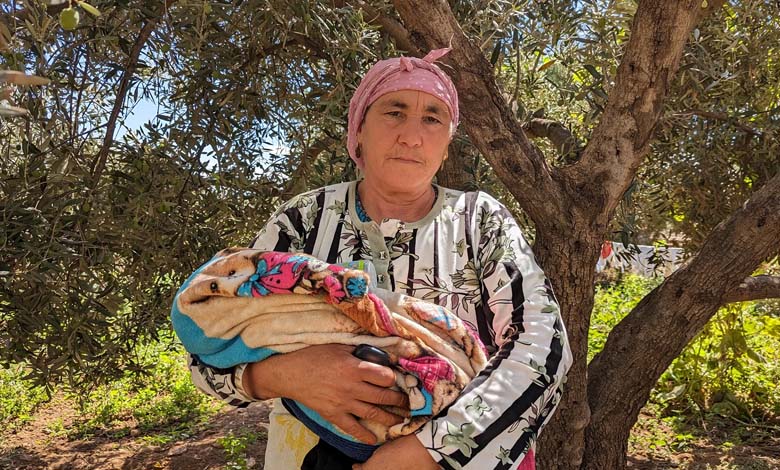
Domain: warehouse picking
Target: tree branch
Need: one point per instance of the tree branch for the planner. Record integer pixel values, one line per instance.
(121, 93)
(719, 117)
(487, 117)
(297, 182)
(754, 288)
(642, 346)
(391, 26)
(562, 138)
(622, 138)
(454, 170)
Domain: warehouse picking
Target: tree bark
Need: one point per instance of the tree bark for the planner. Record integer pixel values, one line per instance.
(622, 138)
(755, 288)
(569, 258)
(571, 208)
(452, 173)
(391, 26)
(641, 347)
(566, 144)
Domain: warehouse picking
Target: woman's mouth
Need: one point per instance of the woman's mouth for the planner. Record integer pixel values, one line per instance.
(406, 159)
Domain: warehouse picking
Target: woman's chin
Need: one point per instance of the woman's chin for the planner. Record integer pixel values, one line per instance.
(401, 182)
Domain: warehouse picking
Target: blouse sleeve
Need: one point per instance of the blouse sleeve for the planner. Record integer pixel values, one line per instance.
(286, 230)
(499, 415)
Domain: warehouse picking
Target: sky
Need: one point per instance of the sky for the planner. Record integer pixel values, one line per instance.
(144, 111)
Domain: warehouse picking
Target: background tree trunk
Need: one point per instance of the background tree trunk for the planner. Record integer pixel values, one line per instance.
(453, 172)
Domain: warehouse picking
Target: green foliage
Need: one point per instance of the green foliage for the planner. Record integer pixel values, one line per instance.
(718, 141)
(18, 399)
(732, 368)
(613, 301)
(97, 235)
(655, 435)
(235, 447)
(252, 99)
(92, 270)
(163, 405)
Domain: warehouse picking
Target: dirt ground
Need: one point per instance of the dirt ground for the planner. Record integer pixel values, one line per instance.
(35, 446)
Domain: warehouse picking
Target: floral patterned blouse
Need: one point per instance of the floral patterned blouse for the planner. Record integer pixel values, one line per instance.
(469, 255)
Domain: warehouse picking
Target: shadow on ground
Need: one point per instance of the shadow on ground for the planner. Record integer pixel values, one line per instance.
(33, 450)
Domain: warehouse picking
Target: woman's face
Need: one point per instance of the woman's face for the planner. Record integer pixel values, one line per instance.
(403, 140)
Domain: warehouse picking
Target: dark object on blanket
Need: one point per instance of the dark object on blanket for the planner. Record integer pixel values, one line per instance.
(372, 354)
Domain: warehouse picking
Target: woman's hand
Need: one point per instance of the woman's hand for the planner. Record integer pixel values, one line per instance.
(331, 381)
(400, 454)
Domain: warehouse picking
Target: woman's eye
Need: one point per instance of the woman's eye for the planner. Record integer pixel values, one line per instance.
(432, 120)
(393, 113)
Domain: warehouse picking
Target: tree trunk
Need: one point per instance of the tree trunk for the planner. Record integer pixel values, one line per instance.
(642, 346)
(572, 206)
(452, 173)
(569, 259)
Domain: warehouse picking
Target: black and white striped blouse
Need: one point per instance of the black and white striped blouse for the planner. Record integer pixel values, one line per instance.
(469, 255)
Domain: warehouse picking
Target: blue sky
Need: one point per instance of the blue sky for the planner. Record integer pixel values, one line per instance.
(144, 111)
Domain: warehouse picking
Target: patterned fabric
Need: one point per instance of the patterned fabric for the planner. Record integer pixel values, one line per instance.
(647, 261)
(428, 369)
(469, 256)
(245, 305)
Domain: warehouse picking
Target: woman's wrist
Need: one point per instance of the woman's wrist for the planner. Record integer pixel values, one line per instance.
(258, 380)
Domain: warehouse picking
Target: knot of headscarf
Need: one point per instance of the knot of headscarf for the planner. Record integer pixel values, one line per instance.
(400, 73)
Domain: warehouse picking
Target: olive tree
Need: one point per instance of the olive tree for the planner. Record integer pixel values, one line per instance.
(590, 119)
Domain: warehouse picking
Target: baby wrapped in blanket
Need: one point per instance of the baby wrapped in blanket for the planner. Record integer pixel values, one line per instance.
(245, 305)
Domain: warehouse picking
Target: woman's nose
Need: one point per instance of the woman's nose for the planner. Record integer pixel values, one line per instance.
(411, 133)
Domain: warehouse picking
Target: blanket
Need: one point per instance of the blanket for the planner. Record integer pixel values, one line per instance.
(245, 305)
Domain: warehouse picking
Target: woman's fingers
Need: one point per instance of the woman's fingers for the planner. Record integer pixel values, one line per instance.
(374, 395)
(350, 425)
(343, 388)
(374, 413)
(376, 374)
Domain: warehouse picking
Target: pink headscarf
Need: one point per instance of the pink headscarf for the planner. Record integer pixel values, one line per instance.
(400, 73)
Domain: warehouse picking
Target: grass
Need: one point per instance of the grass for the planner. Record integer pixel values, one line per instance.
(722, 391)
(160, 407)
(716, 443)
(18, 400)
(731, 369)
(720, 394)
(235, 448)
(163, 406)
(613, 301)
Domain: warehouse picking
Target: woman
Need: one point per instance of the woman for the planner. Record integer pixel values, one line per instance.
(463, 250)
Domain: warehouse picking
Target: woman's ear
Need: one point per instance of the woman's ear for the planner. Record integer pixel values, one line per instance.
(360, 127)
